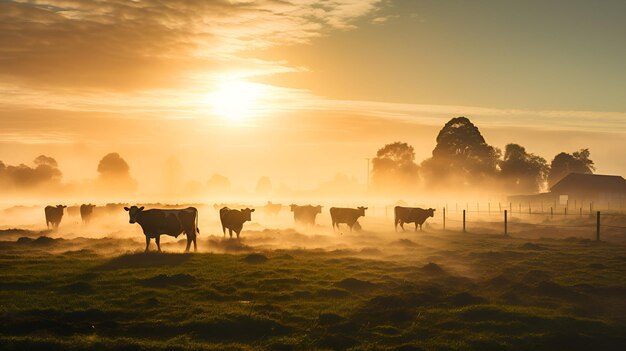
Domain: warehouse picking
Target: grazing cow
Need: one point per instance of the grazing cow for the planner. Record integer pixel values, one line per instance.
(234, 219)
(271, 209)
(156, 222)
(305, 214)
(411, 215)
(54, 215)
(348, 216)
(86, 211)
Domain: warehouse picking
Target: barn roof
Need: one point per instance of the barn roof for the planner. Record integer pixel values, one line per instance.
(599, 183)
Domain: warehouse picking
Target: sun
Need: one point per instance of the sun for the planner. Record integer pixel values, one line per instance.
(236, 100)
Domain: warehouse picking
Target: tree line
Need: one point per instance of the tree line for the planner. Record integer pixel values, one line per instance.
(463, 159)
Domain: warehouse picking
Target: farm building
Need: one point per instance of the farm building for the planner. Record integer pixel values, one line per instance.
(601, 190)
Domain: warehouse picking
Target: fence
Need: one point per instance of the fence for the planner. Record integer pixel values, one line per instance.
(598, 221)
(591, 217)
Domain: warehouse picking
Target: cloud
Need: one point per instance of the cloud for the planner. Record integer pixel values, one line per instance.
(131, 45)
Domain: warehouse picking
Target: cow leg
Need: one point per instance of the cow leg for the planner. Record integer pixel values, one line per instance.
(402, 226)
(157, 239)
(416, 226)
(224, 230)
(195, 244)
(147, 243)
(188, 243)
(230, 232)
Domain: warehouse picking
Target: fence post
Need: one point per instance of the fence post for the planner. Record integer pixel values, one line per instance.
(581, 212)
(566, 211)
(529, 212)
(505, 224)
(444, 218)
(463, 221)
(590, 207)
(598, 226)
(551, 212)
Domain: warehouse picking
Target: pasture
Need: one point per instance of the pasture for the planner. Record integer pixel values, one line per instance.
(297, 289)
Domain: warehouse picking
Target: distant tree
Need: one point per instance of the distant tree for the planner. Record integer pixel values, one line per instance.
(461, 156)
(522, 172)
(394, 167)
(564, 164)
(114, 175)
(45, 173)
(218, 183)
(264, 186)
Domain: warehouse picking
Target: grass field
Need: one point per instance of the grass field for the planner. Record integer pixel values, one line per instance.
(430, 290)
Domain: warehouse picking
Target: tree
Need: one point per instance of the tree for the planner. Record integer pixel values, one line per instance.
(564, 164)
(461, 156)
(394, 167)
(521, 171)
(264, 186)
(114, 175)
(45, 174)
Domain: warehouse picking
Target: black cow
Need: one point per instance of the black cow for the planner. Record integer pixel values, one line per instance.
(305, 214)
(86, 211)
(348, 216)
(234, 219)
(411, 215)
(156, 222)
(54, 215)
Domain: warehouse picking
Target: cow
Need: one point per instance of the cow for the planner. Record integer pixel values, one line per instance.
(54, 215)
(86, 212)
(271, 209)
(411, 215)
(348, 216)
(157, 222)
(234, 219)
(305, 214)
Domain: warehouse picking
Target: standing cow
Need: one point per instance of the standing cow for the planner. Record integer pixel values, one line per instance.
(348, 216)
(234, 219)
(411, 215)
(86, 211)
(54, 215)
(157, 222)
(305, 214)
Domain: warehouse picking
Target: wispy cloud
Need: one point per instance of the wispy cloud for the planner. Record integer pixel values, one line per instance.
(118, 44)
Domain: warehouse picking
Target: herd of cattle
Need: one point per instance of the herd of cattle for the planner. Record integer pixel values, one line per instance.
(177, 221)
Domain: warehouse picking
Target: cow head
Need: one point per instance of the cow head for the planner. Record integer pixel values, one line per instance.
(362, 209)
(133, 212)
(60, 207)
(318, 209)
(247, 212)
(293, 207)
(431, 212)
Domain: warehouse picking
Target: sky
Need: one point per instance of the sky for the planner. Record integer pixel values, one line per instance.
(302, 90)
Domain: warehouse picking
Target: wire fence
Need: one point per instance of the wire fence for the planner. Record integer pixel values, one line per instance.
(589, 220)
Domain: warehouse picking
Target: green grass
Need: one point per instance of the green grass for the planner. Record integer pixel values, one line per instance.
(424, 291)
